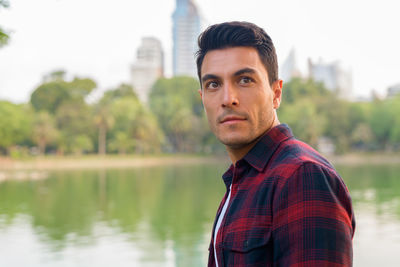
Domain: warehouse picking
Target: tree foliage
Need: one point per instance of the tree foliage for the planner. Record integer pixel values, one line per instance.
(15, 125)
(49, 96)
(132, 118)
(44, 130)
(65, 101)
(314, 112)
(58, 118)
(4, 37)
(56, 92)
(178, 108)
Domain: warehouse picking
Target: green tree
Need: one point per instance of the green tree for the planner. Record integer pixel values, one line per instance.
(15, 125)
(359, 112)
(44, 130)
(178, 108)
(56, 91)
(298, 88)
(338, 126)
(303, 102)
(147, 133)
(73, 120)
(81, 143)
(382, 120)
(104, 120)
(65, 100)
(304, 119)
(361, 136)
(385, 123)
(80, 88)
(50, 95)
(132, 118)
(56, 75)
(4, 37)
(395, 129)
(313, 111)
(123, 90)
(121, 143)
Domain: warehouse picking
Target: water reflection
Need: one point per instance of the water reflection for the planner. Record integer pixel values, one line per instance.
(375, 191)
(165, 212)
(160, 216)
(375, 188)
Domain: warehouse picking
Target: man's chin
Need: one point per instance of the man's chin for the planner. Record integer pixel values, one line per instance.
(236, 143)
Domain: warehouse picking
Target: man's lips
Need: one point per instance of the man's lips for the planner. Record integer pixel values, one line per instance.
(232, 119)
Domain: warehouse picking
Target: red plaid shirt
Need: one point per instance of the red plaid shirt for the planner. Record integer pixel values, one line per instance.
(288, 207)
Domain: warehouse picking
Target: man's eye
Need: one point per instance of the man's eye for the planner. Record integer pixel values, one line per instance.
(211, 85)
(245, 80)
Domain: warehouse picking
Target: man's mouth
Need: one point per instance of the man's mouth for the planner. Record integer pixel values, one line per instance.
(232, 119)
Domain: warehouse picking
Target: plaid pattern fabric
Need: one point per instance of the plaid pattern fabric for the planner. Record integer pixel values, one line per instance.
(288, 207)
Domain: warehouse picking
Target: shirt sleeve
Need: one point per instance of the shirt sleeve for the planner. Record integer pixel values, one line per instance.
(313, 223)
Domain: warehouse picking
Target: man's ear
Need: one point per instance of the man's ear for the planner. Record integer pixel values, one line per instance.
(277, 88)
(200, 93)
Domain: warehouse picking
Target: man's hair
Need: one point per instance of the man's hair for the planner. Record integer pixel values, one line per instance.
(236, 34)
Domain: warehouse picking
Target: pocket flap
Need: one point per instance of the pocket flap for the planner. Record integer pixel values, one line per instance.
(244, 241)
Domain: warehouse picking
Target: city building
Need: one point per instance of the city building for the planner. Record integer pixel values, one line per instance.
(290, 69)
(186, 29)
(393, 90)
(148, 67)
(334, 77)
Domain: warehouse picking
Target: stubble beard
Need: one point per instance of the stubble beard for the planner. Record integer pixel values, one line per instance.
(253, 133)
(235, 137)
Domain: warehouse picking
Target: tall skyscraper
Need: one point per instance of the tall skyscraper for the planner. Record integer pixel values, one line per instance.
(289, 67)
(334, 77)
(186, 29)
(148, 67)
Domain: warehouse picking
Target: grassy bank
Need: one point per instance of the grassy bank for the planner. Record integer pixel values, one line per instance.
(38, 167)
(101, 162)
(131, 161)
(366, 159)
(35, 168)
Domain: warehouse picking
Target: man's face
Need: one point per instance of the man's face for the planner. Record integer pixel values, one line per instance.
(237, 97)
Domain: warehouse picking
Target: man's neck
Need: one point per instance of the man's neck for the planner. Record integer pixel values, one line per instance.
(237, 153)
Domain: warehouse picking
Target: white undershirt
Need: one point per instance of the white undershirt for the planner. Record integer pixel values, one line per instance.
(217, 226)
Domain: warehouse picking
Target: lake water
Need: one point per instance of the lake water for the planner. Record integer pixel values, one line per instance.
(161, 216)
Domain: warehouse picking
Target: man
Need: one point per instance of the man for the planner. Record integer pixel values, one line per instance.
(285, 204)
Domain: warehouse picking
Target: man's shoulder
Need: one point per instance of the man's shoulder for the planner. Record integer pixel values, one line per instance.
(292, 155)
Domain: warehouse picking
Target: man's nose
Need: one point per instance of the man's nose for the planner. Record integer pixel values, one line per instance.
(230, 96)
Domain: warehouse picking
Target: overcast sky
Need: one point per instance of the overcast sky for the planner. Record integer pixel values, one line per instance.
(99, 38)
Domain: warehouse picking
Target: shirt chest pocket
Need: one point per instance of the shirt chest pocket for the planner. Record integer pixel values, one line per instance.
(249, 239)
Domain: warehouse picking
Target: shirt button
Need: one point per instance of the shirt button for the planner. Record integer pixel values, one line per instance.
(246, 244)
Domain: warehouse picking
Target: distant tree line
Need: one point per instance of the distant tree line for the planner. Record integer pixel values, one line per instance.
(313, 112)
(59, 120)
(4, 38)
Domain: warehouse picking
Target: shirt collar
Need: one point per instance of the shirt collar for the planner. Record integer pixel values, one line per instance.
(263, 150)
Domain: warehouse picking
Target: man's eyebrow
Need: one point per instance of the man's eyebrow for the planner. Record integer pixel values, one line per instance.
(245, 70)
(208, 77)
(237, 73)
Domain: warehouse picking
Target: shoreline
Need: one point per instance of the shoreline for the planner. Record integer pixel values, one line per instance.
(365, 159)
(134, 161)
(103, 162)
(38, 168)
